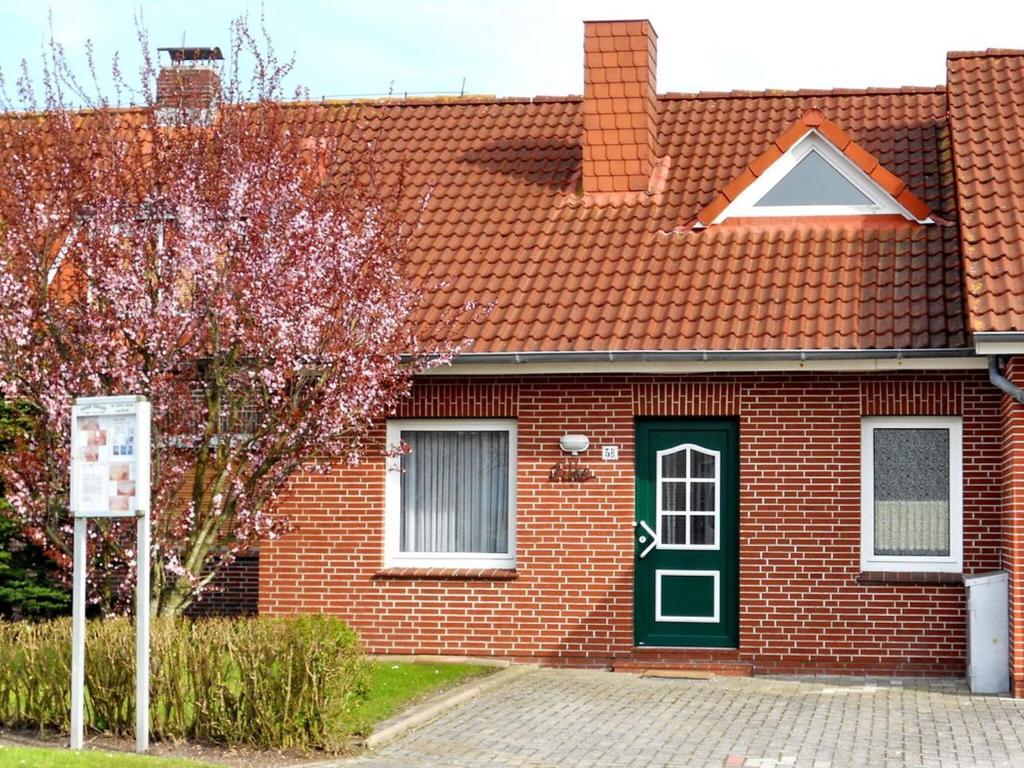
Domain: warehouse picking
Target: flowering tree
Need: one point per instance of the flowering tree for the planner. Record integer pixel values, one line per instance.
(237, 265)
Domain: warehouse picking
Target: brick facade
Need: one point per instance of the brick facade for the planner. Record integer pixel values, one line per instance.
(804, 606)
(234, 592)
(1013, 517)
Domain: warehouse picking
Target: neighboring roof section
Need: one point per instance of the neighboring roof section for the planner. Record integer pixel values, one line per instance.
(986, 107)
(879, 183)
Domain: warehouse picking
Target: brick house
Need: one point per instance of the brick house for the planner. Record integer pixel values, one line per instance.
(736, 402)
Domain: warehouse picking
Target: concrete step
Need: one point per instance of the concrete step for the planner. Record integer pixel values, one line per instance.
(696, 663)
(674, 653)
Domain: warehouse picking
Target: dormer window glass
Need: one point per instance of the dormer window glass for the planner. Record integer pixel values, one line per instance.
(814, 181)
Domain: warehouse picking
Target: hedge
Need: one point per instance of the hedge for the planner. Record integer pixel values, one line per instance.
(261, 682)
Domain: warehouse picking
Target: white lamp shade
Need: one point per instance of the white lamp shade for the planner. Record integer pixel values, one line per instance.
(574, 443)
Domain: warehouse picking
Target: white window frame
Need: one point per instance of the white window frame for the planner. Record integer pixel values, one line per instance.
(745, 204)
(953, 563)
(393, 555)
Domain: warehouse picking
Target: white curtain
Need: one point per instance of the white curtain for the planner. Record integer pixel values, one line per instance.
(911, 527)
(455, 492)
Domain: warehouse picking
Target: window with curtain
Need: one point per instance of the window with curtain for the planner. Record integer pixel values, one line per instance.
(451, 494)
(912, 507)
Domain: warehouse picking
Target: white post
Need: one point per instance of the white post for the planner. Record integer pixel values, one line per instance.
(142, 636)
(78, 634)
(142, 587)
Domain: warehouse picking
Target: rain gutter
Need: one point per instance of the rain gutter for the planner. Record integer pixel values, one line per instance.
(651, 356)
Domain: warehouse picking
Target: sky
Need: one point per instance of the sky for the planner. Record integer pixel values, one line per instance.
(347, 48)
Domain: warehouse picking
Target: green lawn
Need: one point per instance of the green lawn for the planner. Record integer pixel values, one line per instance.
(393, 686)
(43, 757)
(396, 685)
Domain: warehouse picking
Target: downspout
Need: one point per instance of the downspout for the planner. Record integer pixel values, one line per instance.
(1007, 386)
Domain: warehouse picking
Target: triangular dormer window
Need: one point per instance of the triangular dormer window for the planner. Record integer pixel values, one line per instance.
(805, 173)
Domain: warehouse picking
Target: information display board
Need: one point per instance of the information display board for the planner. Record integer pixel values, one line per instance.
(110, 478)
(110, 457)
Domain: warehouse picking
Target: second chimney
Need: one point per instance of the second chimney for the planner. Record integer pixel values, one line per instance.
(188, 89)
(620, 106)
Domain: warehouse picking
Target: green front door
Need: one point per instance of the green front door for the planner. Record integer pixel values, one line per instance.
(686, 535)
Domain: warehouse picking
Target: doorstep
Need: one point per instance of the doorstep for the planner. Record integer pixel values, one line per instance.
(693, 663)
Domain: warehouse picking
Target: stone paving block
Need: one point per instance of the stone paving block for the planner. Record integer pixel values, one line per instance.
(553, 718)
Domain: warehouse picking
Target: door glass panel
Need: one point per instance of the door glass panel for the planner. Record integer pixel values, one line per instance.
(674, 464)
(673, 497)
(702, 465)
(673, 529)
(688, 514)
(702, 529)
(702, 497)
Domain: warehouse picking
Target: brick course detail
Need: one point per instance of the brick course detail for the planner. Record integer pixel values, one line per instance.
(804, 606)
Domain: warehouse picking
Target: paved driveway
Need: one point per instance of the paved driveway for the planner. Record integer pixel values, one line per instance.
(587, 718)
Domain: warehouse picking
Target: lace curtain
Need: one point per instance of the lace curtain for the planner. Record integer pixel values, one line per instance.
(455, 491)
(911, 528)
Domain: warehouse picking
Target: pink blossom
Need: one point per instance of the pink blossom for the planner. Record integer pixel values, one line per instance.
(262, 303)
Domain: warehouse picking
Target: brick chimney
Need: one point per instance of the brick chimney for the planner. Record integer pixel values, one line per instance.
(620, 105)
(187, 89)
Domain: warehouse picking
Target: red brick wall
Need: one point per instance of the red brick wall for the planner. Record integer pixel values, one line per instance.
(802, 607)
(233, 592)
(1013, 506)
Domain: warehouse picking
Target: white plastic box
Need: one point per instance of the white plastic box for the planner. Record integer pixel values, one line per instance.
(988, 632)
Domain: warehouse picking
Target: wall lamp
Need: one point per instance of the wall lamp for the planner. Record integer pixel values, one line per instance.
(574, 444)
(570, 470)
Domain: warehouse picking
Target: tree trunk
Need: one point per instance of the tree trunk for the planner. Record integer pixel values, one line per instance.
(172, 599)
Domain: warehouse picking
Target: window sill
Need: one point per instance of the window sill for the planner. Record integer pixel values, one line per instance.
(463, 574)
(909, 577)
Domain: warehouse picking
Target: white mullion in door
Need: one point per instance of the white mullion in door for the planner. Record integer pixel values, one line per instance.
(700, 482)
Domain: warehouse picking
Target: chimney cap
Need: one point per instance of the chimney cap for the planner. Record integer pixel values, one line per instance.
(193, 53)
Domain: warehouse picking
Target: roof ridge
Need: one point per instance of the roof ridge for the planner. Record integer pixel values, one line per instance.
(430, 101)
(802, 92)
(988, 53)
(485, 99)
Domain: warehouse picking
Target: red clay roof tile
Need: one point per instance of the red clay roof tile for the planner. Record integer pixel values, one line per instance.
(506, 223)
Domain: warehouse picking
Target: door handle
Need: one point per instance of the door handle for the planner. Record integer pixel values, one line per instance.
(643, 538)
